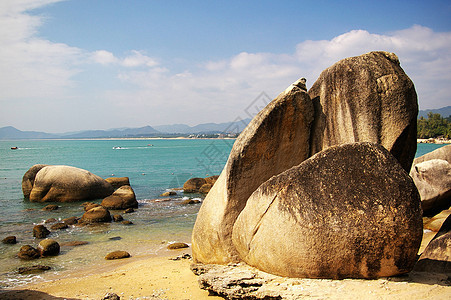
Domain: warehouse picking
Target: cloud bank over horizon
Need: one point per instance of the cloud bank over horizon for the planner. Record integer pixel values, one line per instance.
(55, 87)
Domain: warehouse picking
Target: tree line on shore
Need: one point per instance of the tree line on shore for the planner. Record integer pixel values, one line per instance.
(434, 126)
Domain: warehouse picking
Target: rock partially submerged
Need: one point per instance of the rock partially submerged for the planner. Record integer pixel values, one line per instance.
(96, 215)
(40, 231)
(63, 184)
(124, 197)
(48, 247)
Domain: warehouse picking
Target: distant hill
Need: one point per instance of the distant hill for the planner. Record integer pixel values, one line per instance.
(10, 132)
(228, 127)
(444, 112)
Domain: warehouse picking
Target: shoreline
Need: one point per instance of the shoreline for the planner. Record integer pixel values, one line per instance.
(157, 276)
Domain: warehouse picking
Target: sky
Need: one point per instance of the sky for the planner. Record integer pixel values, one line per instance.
(71, 65)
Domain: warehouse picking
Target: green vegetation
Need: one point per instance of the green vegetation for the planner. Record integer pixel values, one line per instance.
(434, 126)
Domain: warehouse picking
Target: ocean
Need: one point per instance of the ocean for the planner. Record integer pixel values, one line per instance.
(153, 166)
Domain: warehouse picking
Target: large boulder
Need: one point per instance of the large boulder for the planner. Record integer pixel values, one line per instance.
(350, 211)
(66, 184)
(275, 140)
(432, 176)
(124, 197)
(367, 98)
(28, 179)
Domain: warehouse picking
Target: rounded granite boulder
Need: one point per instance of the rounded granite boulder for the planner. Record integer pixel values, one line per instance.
(64, 184)
(124, 197)
(97, 214)
(350, 211)
(48, 247)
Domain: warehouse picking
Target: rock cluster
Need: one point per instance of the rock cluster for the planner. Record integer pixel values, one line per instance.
(316, 185)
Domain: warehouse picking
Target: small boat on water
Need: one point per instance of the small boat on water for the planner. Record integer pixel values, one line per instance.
(14, 148)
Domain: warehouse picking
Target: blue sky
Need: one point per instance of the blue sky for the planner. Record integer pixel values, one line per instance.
(81, 64)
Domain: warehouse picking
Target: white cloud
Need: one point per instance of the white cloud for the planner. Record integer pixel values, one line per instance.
(41, 75)
(104, 57)
(30, 66)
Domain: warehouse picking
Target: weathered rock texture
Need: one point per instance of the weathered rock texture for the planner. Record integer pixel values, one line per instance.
(350, 211)
(275, 140)
(124, 197)
(48, 247)
(367, 98)
(64, 184)
(432, 176)
(361, 99)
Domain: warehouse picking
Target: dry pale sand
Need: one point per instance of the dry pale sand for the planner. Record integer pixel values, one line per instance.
(158, 277)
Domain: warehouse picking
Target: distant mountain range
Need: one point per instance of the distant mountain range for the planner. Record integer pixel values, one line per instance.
(12, 133)
(444, 112)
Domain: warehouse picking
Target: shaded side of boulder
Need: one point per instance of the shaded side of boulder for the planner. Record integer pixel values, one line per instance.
(367, 98)
(28, 179)
(205, 188)
(124, 197)
(68, 184)
(350, 211)
(117, 182)
(433, 180)
(275, 140)
(96, 215)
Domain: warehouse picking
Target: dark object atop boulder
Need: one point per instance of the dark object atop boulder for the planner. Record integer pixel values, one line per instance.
(40, 231)
(117, 255)
(9, 240)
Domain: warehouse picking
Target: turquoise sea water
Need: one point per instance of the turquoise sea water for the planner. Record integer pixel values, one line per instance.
(153, 167)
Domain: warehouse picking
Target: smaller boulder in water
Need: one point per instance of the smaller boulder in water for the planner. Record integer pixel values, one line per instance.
(48, 247)
(124, 197)
(96, 215)
(40, 231)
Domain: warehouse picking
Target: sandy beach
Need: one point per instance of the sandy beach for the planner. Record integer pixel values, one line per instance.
(160, 277)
